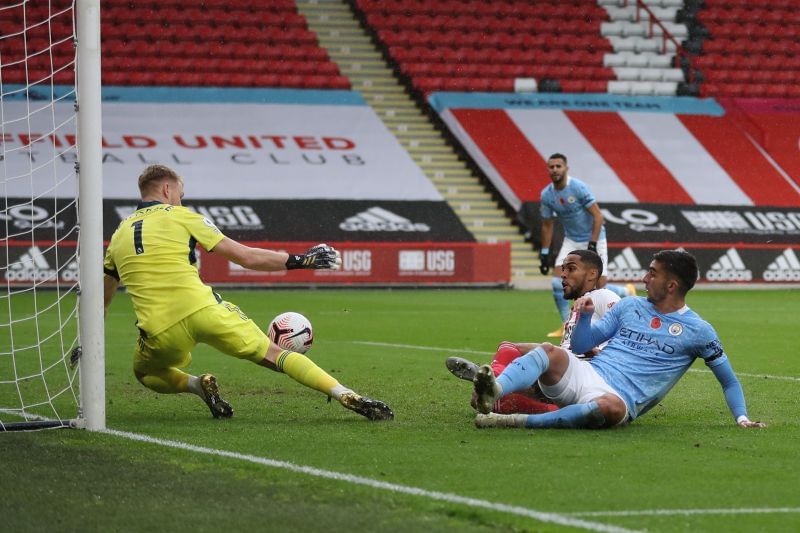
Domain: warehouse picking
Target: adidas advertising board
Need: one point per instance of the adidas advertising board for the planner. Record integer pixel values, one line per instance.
(29, 265)
(321, 220)
(773, 264)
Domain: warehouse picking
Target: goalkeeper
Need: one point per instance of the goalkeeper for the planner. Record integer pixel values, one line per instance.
(152, 253)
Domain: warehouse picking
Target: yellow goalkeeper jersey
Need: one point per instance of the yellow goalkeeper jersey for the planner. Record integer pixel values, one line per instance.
(152, 253)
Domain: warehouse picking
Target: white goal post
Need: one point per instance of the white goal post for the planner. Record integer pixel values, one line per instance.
(52, 363)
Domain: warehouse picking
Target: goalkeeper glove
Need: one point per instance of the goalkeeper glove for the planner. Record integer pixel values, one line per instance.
(592, 246)
(320, 256)
(544, 256)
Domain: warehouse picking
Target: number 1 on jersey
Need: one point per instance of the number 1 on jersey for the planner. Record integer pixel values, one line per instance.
(137, 237)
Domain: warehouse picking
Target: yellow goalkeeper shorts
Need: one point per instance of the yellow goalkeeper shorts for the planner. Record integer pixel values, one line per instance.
(223, 326)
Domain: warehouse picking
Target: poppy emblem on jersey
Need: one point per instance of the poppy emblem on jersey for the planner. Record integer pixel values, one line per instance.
(561, 201)
(655, 323)
(675, 329)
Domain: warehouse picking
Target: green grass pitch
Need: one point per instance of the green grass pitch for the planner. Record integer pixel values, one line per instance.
(684, 466)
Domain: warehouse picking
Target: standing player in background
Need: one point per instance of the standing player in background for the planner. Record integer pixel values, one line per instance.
(652, 342)
(152, 253)
(573, 203)
(579, 275)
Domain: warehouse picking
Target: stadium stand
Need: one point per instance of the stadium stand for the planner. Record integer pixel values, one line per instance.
(745, 49)
(179, 43)
(462, 45)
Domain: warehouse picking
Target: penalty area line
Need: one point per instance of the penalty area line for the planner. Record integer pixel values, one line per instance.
(552, 518)
(688, 512)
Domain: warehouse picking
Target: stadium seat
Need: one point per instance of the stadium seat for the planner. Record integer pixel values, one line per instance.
(249, 43)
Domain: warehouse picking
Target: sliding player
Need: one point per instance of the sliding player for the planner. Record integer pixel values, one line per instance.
(652, 342)
(579, 275)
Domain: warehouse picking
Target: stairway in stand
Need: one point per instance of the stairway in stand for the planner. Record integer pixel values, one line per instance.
(341, 34)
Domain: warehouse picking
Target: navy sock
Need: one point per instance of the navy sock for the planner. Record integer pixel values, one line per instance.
(524, 371)
(578, 416)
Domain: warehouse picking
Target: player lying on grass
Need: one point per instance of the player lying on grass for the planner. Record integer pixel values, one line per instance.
(651, 343)
(152, 253)
(580, 272)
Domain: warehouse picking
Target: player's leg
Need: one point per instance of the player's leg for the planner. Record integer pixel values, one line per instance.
(546, 360)
(303, 370)
(522, 402)
(605, 411)
(465, 369)
(232, 332)
(158, 362)
(589, 401)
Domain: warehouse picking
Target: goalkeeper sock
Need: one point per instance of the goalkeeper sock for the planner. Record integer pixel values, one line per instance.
(578, 416)
(303, 370)
(558, 296)
(524, 371)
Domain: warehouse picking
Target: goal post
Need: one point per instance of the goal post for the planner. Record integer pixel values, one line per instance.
(90, 215)
(52, 364)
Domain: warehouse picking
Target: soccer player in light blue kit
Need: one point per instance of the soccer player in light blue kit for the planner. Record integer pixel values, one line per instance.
(652, 342)
(570, 200)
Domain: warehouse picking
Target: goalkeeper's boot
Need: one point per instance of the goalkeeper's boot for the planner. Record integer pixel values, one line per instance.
(630, 289)
(557, 333)
(494, 420)
(366, 407)
(487, 391)
(219, 407)
(461, 368)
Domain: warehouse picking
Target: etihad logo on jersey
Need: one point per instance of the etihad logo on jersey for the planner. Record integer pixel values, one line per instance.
(32, 266)
(625, 266)
(379, 219)
(729, 267)
(785, 267)
(639, 340)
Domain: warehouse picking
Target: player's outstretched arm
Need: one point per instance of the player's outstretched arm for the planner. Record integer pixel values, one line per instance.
(734, 395)
(262, 259)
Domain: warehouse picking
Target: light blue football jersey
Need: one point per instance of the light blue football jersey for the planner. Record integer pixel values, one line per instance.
(570, 205)
(648, 352)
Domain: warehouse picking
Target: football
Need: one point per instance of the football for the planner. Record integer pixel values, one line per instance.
(291, 331)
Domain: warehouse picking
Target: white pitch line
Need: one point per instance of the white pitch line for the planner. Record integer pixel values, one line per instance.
(413, 347)
(687, 512)
(474, 352)
(374, 483)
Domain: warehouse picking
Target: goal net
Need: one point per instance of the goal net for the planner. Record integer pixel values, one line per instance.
(40, 264)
